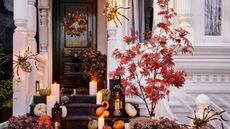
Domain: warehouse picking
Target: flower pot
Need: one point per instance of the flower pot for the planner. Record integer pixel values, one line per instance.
(6, 113)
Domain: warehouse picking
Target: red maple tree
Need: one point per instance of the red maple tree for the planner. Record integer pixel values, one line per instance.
(147, 69)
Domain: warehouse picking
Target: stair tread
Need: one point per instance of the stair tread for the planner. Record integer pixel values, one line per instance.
(88, 117)
(72, 105)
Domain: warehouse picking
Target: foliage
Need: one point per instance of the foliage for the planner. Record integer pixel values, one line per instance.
(93, 63)
(6, 90)
(148, 123)
(6, 93)
(147, 69)
(208, 115)
(23, 122)
(29, 122)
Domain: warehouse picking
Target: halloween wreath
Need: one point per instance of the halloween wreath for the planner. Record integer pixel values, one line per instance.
(75, 23)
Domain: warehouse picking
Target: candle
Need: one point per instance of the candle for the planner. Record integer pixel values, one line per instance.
(99, 97)
(92, 87)
(101, 122)
(56, 125)
(55, 91)
(50, 100)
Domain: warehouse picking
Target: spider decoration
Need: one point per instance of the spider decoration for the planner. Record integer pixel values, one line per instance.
(22, 62)
(208, 115)
(112, 12)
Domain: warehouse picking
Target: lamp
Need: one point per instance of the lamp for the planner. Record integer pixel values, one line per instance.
(112, 11)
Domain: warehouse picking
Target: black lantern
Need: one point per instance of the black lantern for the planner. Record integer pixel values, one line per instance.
(118, 98)
(56, 115)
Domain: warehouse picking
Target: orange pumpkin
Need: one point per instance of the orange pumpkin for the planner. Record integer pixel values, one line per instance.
(120, 124)
(107, 127)
(105, 114)
(100, 110)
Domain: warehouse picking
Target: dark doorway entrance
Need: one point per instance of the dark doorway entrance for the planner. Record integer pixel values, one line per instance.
(74, 29)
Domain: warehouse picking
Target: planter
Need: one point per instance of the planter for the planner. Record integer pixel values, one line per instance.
(6, 113)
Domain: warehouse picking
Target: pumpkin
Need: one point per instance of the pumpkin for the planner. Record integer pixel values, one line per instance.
(120, 124)
(107, 127)
(64, 111)
(40, 109)
(130, 110)
(44, 122)
(105, 114)
(105, 104)
(92, 124)
(100, 110)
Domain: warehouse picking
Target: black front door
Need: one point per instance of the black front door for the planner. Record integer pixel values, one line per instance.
(74, 29)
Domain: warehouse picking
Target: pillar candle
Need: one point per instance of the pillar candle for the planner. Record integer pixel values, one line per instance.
(55, 91)
(50, 101)
(101, 122)
(99, 98)
(92, 87)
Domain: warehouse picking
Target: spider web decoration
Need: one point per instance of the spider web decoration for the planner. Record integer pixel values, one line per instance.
(112, 12)
(75, 23)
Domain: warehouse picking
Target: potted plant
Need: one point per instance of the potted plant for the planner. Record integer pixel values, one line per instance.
(6, 92)
(147, 69)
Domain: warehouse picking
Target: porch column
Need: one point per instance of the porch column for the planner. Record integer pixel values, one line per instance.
(115, 40)
(20, 43)
(31, 26)
(43, 6)
(184, 9)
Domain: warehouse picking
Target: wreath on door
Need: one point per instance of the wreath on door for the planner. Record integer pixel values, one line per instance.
(75, 23)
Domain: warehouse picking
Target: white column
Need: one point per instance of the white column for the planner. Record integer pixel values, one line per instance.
(115, 40)
(31, 26)
(20, 43)
(184, 8)
(43, 6)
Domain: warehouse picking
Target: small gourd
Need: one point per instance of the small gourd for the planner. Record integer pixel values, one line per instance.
(130, 110)
(120, 124)
(92, 124)
(105, 114)
(105, 104)
(40, 109)
(100, 110)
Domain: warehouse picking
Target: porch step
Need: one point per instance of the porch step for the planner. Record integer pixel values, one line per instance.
(81, 109)
(82, 99)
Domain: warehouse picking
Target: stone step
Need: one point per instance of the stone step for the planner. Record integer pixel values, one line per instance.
(82, 99)
(81, 109)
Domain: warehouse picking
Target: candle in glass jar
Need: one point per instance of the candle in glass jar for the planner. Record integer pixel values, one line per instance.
(92, 87)
(55, 91)
(101, 122)
(50, 104)
(99, 98)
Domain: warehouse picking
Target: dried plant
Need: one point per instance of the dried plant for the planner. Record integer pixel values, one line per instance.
(208, 116)
(23, 61)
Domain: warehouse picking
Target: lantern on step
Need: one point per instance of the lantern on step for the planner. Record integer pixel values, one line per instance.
(56, 115)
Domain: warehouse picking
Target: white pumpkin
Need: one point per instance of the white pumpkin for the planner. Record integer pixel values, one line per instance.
(130, 110)
(64, 111)
(40, 109)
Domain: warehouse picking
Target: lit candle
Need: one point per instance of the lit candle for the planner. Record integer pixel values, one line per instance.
(101, 122)
(92, 87)
(99, 97)
(56, 125)
(50, 100)
(55, 91)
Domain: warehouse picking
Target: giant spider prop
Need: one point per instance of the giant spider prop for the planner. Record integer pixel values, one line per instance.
(208, 115)
(22, 62)
(112, 12)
